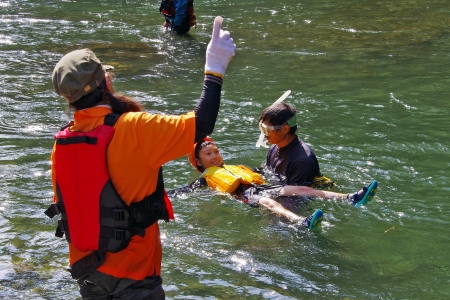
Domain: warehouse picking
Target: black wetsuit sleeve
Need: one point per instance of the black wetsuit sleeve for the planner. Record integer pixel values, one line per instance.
(207, 107)
(199, 183)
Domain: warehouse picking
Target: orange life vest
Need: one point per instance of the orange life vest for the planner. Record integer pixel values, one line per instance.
(227, 178)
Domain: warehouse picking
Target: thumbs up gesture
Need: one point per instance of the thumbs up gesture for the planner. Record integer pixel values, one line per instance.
(220, 50)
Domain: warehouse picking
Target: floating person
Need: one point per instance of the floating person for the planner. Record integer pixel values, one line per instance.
(292, 160)
(243, 183)
(107, 172)
(179, 15)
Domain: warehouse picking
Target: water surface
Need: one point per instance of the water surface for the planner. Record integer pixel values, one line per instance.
(370, 83)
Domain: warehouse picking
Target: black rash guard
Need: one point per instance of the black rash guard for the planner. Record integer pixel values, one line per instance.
(296, 163)
(207, 107)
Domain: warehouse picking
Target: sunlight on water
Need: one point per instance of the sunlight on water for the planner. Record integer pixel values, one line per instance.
(401, 103)
(33, 128)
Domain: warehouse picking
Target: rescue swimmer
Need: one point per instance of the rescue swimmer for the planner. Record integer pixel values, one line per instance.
(107, 173)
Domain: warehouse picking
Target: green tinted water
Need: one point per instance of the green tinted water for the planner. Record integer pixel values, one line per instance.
(370, 83)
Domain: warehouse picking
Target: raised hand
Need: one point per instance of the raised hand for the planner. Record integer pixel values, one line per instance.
(220, 50)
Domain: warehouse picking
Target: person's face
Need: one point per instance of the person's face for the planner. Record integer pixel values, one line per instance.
(274, 134)
(209, 156)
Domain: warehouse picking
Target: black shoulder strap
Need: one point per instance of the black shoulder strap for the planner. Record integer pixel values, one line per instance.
(111, 119)
(68, 124)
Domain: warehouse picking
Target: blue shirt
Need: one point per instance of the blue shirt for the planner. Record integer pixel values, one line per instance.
(180, 11)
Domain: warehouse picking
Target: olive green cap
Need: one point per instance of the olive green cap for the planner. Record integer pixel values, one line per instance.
(77, 74)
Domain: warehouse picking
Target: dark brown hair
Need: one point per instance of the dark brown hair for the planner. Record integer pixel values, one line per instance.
(279, 114)
(200, 146)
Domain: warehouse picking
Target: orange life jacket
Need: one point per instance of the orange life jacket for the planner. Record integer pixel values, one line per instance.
(227, 178)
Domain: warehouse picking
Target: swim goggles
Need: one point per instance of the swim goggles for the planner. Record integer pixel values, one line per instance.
(267, 129)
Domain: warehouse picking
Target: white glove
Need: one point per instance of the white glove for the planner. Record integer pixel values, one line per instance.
(220, 50)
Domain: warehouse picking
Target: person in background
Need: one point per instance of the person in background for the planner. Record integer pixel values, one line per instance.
(179, 15)
(249, 186)
(107, 172)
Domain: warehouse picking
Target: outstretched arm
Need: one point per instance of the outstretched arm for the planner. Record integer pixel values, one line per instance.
(199, 183)
(219, 52)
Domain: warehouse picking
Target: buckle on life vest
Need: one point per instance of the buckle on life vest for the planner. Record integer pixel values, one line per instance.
(121, 235)
(53, 210)
(60, 230)
(86, 265)
(121, 214)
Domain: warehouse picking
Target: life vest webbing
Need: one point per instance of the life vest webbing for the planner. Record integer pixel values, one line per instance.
(77, 140)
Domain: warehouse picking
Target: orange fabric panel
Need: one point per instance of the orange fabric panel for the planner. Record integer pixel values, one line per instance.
(141, 144)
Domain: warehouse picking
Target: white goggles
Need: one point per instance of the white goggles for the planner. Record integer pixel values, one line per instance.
(267, 129)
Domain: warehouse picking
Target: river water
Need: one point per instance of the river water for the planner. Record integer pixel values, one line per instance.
(370, 80)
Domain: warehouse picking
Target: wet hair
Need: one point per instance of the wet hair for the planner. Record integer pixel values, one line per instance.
(199, 147)
(105, 93)
(279, 114)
